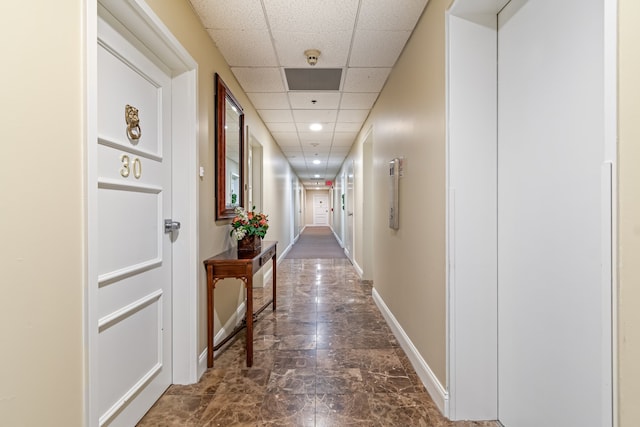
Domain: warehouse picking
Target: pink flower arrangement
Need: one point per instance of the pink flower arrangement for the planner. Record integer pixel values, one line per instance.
(248, 223)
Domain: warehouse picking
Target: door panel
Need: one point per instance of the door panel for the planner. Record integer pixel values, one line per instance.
(550, 152)
(134, 253)
(320, 209)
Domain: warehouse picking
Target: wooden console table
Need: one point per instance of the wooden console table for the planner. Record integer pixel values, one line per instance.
(229, 265)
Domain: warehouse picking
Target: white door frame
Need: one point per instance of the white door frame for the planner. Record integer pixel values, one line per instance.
(470, 45)
(143, 28)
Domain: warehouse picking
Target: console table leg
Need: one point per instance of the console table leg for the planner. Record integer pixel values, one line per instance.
(273, 284)
(249, 317)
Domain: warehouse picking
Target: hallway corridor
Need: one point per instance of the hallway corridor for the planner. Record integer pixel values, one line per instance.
(326, 358)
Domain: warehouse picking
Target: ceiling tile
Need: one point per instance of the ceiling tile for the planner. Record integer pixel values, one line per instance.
(242, 48)
(227, 14)
(310, 148)
(262, 38)
(324, 100)
(358, 100)
(365, 79)
(269, 100)
(281, 127)
(292, 151)
(326, 127)
(314, 136)
(315, 116)
(387, 44)
(348, 127)
(340, 151)
(333, 47)
(276, 116)
(259, 79)
(384, 15)
(344, 137)
(352, 116)
(285, 138)
(311, 16)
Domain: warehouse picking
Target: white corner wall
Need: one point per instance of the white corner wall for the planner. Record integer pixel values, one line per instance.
(472, 214)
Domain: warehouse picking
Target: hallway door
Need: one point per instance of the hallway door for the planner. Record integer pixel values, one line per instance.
(554, 313)
(134, 254)
(349, 207)
(321, 209)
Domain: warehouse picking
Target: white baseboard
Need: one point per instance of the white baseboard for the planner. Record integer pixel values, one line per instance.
(357, 267)
(222, 333)
(284, 253)
(337, 238)
(437, 392)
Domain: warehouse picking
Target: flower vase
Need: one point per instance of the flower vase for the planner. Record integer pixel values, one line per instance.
(249, 244)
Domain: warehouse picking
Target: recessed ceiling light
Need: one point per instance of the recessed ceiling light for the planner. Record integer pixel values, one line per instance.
(316, 176)
(316, 162)
(315, 127)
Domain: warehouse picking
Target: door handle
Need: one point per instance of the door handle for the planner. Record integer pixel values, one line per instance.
(171, 225)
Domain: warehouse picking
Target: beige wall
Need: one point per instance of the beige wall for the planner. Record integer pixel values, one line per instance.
(41, 182)
(408, 120)
(629, 214)
(181, 20)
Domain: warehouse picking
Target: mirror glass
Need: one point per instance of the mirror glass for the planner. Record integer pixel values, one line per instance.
(229, 152)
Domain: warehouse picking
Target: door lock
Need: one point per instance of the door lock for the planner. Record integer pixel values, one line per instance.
(171, 225)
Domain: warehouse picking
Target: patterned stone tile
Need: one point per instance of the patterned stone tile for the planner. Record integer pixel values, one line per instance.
(292, 381)
(326, 357)
(176, 410)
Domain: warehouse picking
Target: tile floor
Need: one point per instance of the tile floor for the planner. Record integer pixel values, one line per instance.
(325, 358)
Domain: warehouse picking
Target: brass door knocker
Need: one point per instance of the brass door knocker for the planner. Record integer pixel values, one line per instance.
(133, 122)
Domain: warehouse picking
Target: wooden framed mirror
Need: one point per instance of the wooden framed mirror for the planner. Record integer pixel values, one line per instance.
(229, 151)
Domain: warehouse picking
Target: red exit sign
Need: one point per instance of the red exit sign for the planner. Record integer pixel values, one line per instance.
(328, 183)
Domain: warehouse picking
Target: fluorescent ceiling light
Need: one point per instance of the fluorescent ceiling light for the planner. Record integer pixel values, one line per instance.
(316, 162)
(316, 176)
(315, 127)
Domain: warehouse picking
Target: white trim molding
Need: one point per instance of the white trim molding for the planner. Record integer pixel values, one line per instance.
(437, 392)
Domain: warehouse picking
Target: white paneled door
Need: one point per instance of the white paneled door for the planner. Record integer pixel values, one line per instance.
(321, 209)
(554, 307)
(133, 359)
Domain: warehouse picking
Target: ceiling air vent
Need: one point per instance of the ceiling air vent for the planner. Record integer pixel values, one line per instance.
(313, 79)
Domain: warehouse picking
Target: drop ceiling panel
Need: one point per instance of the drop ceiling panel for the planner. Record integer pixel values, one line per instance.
(315, 136)
(344, 137)
(348, 127)
(324, 100)
(326, 127)
(326, 149)
(311, 16)
(365, 79)
(388, 44)
(358, 101)
(340, 152)
(383, 16)
(243, 48)
(359, 41)
(292, 151)
(281, 127)
(315, 116)
(285, 138)
(259, 79)
(333, 47)
(352, 116)
(276, 116)
(227, 14)
(269, 101)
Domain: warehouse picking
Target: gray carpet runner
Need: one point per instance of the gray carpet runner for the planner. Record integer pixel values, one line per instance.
(316, 242)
